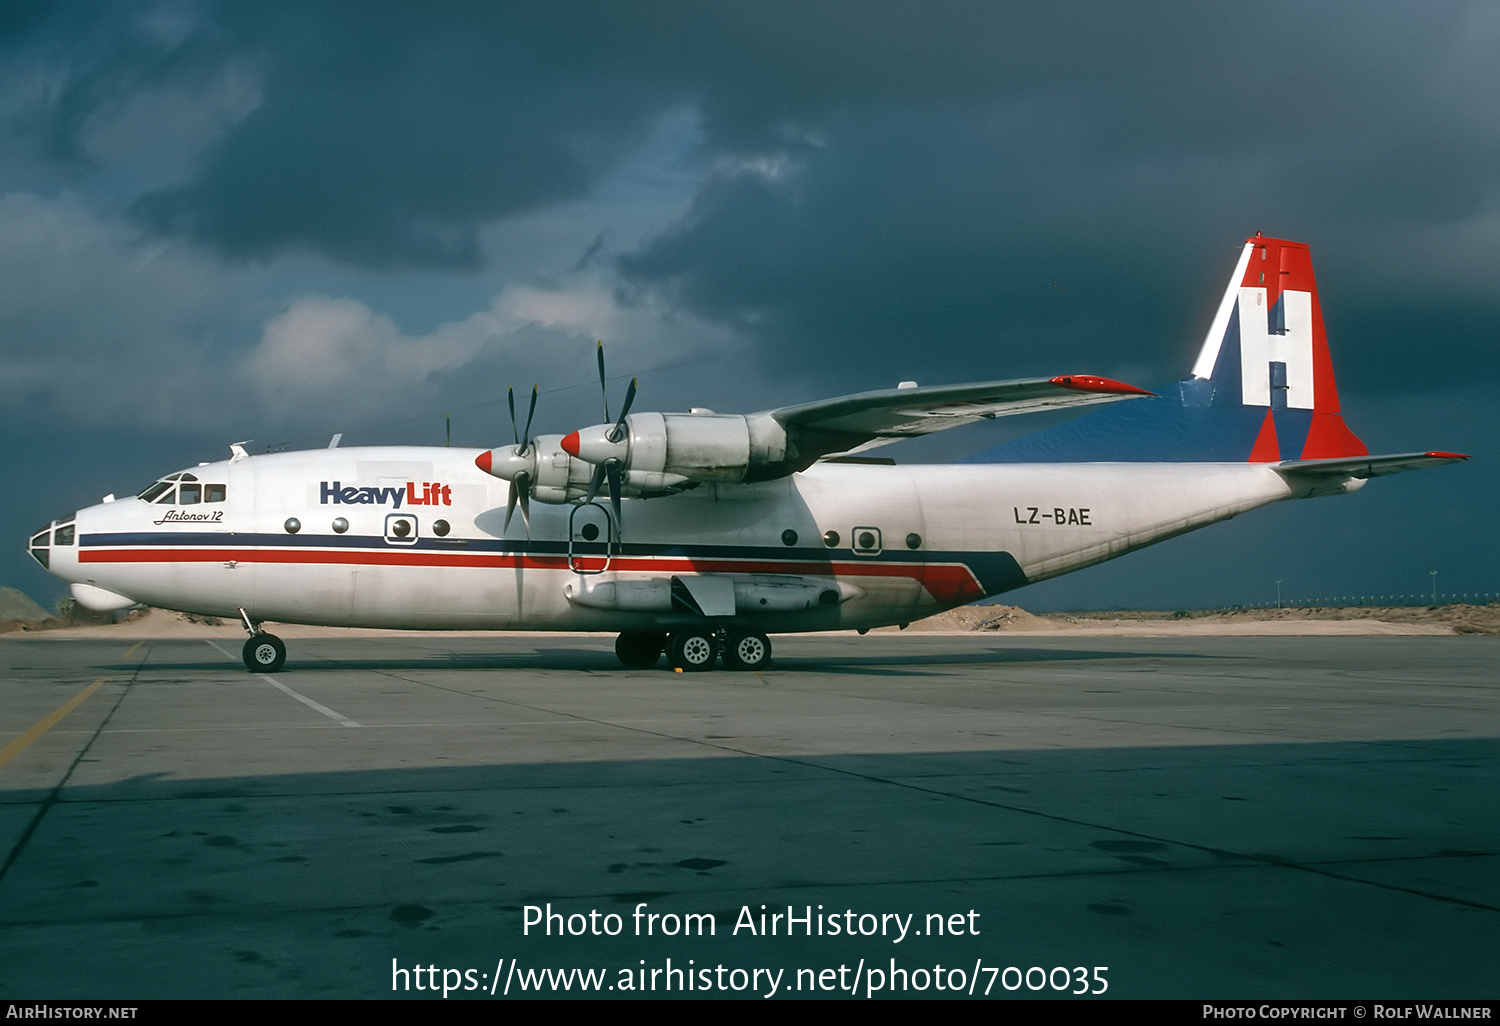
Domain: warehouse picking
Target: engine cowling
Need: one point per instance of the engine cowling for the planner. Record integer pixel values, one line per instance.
(552, 474)
(665, 452)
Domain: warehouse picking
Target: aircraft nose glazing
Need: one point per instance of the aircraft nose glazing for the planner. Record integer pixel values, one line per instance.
(59, 533)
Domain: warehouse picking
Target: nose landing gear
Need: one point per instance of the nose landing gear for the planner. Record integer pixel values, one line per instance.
(263, 653)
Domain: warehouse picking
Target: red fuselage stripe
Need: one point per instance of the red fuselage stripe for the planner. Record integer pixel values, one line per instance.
(946, 581)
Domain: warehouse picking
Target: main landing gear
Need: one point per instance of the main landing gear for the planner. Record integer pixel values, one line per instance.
(696, 648)
(263, 653)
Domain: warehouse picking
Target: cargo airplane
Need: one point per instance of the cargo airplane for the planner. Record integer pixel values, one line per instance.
(699, 534)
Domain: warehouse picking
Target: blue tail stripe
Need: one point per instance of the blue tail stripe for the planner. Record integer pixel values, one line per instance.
(1144, 431)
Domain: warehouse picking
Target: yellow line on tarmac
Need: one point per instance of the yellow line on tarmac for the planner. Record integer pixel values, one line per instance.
(23, 742)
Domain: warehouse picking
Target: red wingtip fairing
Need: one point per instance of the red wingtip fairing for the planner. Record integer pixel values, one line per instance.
(1090, 383)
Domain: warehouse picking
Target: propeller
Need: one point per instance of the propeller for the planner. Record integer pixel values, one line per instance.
(520, 484)
(610, 469)
(516, 464)
(510, 397)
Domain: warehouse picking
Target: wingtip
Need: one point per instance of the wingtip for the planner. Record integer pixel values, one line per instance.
(1447, 455)
(1091, 383)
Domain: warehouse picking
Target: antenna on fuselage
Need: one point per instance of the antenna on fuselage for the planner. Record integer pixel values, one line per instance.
(237, 450)
(333, 443)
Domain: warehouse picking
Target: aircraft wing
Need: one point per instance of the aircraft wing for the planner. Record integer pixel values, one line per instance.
(1369, 466)
(869, 419)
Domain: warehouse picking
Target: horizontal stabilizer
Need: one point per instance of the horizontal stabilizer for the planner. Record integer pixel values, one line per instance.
(1369, 466)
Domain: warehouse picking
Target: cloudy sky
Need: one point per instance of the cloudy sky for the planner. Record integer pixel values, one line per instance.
(222, 221)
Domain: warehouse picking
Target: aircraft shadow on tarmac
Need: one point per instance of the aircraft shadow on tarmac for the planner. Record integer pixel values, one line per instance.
(308, 884)
(589, 660)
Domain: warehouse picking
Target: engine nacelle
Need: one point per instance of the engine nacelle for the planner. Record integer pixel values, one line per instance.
(552, 475)
(665, 452)
(559, 477)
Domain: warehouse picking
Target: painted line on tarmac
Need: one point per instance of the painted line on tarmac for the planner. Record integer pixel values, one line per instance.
(24, 742)
(337, 717)
(19, 744)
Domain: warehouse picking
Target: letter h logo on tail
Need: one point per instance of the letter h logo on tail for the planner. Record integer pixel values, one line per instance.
(1267, 348)
(1276, 350)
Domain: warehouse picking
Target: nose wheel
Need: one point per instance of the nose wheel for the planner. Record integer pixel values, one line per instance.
(264, 653)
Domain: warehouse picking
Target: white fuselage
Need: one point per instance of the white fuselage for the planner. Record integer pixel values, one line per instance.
(837, 546)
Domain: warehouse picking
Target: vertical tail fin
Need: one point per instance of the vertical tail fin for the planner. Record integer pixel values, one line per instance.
(1261, 390)
(1267, 349)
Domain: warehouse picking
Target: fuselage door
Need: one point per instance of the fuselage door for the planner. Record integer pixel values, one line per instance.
(591, 539)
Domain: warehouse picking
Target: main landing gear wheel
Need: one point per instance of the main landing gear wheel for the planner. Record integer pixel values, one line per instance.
(639, 650)
(693, 649)
(747, 650)
(264, 653)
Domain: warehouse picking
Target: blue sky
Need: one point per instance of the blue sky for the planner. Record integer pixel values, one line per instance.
(232, 220)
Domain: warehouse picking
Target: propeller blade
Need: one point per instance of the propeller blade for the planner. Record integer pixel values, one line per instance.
(595, 482)
(523, 480)
(618, 431)
(602, 389)
(520, 491)
(510, 397)
(612, 471)
(510, 507)
(529, 414)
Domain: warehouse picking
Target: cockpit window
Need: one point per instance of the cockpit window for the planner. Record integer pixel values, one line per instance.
(63, 535)
(167, 491)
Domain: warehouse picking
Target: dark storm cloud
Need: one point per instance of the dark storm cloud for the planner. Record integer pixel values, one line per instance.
(874, 191)
(1126, 171)
(944, 178)
(389, 134)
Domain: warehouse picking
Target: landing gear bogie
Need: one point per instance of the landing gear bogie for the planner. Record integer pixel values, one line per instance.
(747, 650)
(640, 650)
(693, 649)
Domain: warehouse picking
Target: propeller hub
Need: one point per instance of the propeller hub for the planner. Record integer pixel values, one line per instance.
(507, 463)
(594, 444)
